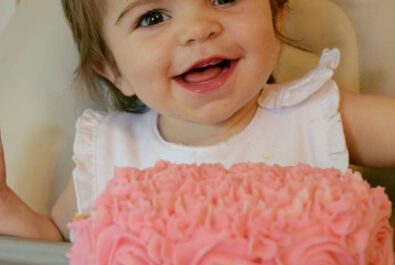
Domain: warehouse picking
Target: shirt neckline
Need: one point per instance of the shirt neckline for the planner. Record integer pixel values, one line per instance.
(228, 141)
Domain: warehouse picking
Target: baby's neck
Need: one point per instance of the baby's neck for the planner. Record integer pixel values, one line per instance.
(196, 134)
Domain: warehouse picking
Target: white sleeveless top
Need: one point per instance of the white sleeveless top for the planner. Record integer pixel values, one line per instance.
(297, 122)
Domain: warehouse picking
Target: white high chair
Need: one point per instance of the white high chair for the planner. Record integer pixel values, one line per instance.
(38, 106)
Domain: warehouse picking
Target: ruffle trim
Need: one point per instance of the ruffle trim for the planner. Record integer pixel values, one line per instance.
(84, 157)
(334, 134)
(278, 96)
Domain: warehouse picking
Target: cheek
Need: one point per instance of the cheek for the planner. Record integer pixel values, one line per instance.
(147, 72)
(258, 41)
(262, 38)
(148, 63)
(265, 47)
(258, 30)
(263, 51)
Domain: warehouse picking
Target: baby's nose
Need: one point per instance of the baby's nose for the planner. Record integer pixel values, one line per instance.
(199, 29)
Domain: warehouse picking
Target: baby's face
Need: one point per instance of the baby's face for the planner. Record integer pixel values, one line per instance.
(197, 60)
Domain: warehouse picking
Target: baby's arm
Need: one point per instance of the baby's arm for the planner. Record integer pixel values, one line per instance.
(64, 209)
(369, 125)
(17, 218)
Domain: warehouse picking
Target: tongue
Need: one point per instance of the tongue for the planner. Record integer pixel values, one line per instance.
(201, 76)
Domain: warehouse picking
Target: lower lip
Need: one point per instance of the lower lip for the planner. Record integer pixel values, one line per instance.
(211, 84)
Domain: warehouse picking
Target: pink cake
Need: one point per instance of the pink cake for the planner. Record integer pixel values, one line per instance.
(251, 214)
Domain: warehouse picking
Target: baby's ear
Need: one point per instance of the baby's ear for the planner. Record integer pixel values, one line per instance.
(105, 71)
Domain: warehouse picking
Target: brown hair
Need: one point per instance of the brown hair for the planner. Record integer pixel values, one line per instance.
(84, 17)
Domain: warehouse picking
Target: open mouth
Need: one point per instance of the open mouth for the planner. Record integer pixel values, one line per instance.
(207, 76)
(201, 74)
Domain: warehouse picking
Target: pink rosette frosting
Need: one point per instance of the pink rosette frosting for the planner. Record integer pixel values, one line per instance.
(250, 214)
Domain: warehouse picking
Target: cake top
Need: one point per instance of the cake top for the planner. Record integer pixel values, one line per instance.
(177, 214)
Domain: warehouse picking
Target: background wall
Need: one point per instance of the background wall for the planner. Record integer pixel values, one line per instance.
(7, 8)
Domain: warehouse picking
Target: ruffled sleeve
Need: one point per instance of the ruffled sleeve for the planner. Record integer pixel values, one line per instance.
(277, 96)
(84, 173)
(321, 94)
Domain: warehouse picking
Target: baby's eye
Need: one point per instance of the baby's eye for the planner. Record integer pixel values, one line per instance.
(151, 18)
(224, 2)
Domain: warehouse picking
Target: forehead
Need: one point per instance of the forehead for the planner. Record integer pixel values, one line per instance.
(112, 7)
(116, 5)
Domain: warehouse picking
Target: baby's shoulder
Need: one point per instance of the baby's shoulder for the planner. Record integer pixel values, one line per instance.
(117, 119)
(95, 129)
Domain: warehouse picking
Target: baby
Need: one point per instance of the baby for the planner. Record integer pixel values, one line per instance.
(196, 74)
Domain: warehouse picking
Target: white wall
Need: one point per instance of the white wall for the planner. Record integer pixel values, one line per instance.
(7, 8)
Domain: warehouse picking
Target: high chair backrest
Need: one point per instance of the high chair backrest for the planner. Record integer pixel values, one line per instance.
(374, 25)
(316, 25)
(38, 106)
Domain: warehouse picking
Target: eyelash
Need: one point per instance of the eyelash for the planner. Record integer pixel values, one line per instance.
(228, 3)
(140, 20)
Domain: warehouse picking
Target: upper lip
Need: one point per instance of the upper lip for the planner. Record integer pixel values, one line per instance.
(212, 60)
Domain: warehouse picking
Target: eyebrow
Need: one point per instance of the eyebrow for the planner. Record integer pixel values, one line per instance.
(132, 5)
